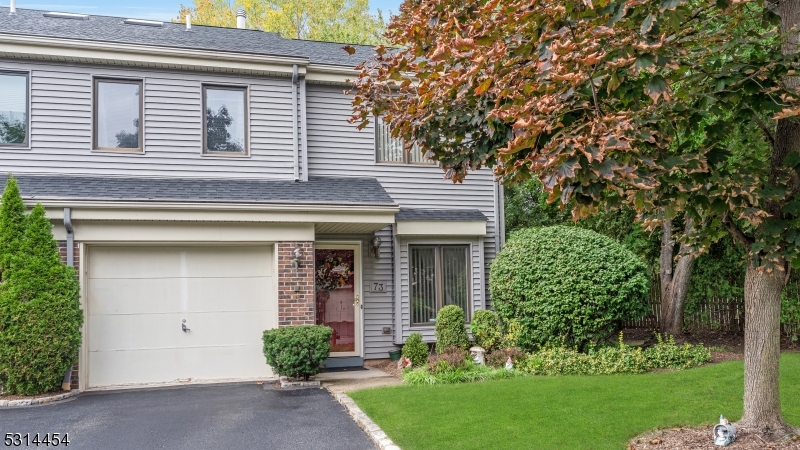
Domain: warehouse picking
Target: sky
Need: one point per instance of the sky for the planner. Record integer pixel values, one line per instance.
(164, 10)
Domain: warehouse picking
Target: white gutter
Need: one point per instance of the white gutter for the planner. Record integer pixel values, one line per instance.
(295, 131)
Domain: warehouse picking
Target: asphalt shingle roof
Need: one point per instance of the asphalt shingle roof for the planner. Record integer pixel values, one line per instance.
(439, 214)
(315, 191)
(31, 22)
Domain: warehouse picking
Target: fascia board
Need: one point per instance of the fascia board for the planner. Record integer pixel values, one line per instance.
(441, 228)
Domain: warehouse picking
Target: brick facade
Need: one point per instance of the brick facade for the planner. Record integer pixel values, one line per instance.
(62, 250)
(295, 285)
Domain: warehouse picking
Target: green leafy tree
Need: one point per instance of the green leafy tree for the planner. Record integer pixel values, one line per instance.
(600, 101)
(347, 21)
(40, 315)
(12, 224)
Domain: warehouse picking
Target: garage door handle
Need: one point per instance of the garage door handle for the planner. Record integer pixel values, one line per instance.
(184, 327)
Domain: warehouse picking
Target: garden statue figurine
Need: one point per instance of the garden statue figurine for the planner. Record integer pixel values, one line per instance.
(724, 432)
(509, 364)
(477, 354)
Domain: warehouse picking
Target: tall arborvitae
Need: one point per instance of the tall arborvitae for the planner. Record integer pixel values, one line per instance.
(41, 315)
(12, 224)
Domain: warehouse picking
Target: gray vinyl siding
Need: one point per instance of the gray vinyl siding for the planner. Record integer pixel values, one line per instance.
(337, 148)
(61, 125)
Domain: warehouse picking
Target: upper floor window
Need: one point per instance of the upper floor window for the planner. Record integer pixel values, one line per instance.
(118, 115)
(439, 276)
(391, 150)
(13, 109)
(225, 120)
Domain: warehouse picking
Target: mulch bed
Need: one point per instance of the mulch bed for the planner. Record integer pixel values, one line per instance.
(387, 366)
(701, 439)
(31, 397)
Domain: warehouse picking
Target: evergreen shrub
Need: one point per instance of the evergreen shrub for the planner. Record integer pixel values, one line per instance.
(567, 286)
(40, 314)
(416, 350)
(297, 351)
(450, 329)
(486, 329)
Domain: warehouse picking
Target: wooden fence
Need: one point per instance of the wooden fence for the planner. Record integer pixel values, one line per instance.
(717, 314)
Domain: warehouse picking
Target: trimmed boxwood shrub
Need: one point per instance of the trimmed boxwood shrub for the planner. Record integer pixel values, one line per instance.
(297, 351)
(486, 329)
(416, 350)
(567, 286)
(450, 329)
(40, 315)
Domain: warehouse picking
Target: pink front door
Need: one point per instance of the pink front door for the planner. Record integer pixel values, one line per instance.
(336, 297)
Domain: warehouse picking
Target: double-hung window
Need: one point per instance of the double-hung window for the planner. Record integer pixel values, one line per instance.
(392, 150)
(225, 120)
(439, 275)
(14, 107)
(118, 121)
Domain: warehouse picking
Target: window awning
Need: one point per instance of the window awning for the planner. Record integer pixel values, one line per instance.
(440, 222)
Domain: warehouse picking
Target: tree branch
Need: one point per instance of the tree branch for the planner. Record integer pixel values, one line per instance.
(762, 125)
(736, 232)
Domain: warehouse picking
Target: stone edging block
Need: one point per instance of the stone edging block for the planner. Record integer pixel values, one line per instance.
(372, 429)
(38, 401)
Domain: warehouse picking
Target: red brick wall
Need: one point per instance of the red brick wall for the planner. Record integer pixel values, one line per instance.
(295, 286)
(62, 250)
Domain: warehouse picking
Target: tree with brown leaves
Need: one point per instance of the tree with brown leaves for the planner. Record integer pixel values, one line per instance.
(615, 102)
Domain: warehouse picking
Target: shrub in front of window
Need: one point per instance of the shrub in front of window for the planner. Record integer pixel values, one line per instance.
(567, 286)
(297, 351)
(450, 329)
(416, 350)
(40, 314)
(486, 329)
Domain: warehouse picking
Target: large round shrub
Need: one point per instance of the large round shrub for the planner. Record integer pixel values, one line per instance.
(567, 286)
(450, 329)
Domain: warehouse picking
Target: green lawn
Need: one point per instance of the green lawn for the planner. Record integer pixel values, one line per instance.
(570, 412)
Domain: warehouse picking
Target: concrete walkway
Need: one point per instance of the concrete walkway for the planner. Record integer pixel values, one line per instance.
(349, 381)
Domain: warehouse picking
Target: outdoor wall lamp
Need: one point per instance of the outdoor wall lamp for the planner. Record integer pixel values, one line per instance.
(298, 255)
(374, 246)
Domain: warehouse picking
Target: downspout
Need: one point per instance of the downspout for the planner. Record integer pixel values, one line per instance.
(295, 131)
(67, 381)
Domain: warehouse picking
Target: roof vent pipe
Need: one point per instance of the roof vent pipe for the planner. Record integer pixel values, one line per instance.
(240, 18)
(12, 8)
(188, 21)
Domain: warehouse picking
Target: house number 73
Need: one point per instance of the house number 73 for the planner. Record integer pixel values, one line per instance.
(377, 287)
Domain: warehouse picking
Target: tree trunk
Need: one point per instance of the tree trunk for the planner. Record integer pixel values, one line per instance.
(675, 277)
(762, 351)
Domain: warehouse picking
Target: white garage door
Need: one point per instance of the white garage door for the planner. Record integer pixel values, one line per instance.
(139, 297)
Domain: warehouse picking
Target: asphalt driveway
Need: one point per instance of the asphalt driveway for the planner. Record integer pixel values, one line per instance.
(233, 416)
